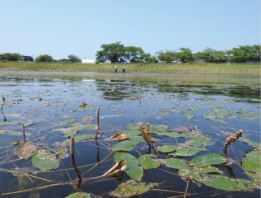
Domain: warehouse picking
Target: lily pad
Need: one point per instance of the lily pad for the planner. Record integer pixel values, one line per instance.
(195, 173)
(45, 160)
(163, 112)
(126, 145)
(199, 140)
(208, 159)
(132, 188)
(13, 133)
(67, 122)
(186, 151)
(79, 195)
(84, 137)
(147, 161)
(252, 161)
(133, 168)
(26, 150)
(159, 128)
(250, 115)
(74, 128)
(226, 183)
(167, 148)
(175, 163)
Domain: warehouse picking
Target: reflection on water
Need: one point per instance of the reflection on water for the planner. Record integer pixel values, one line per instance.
(42, 103)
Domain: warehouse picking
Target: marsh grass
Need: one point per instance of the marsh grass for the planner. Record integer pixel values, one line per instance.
(159, 68)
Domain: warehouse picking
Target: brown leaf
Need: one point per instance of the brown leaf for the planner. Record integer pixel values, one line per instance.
(115, 169)
(26, 150)
(119, 136)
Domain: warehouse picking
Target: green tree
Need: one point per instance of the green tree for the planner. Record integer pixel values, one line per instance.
(10, 57)
(74, 59)
(113, 52)
(134, 54)
(184, 55)
(44, 58)
(147, 58)
(167, 56)
(245, 53)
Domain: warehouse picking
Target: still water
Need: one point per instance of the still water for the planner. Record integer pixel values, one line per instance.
(47, 107)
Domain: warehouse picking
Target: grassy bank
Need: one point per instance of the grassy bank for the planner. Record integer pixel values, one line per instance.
(159, 68)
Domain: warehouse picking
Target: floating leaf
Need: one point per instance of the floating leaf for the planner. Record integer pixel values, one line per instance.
(175, 163)
(26, 150)
(167, 148)
(45, 160)
(133, 127)
(133, 170)
(159, 128)
(84, 137)
(132, 188)
(67, 122)
(208, 159)
(188, 115)
(115, 169)
(74, 128)
(119, 136)
(195, 173)
(252, 161)
(226, 183)
(250, 115)
(199, 140)
(147, 161)
(163, 112)
(186, 151)
(131, 132)
(79, 195)
(175, 110)
(126, 145)
(13, 133)
(86, 119)
(83, 105)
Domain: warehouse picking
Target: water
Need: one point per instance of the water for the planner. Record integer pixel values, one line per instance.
(42, 103)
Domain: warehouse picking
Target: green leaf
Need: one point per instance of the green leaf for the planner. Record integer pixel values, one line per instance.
(250, 115)
(163, 112)
(132, 188)
(84, 137)
(195, 173)
(208, 159)
(76, 127)
(226, 183)
(159, 128)
(175, 163)
(126, 145)
(13, 133)
(186, 151)
(67, 122)
(147, 162)
(79, 195)
(167, 148)
(252, 161)
(45, 160)
(133, 127)
(199, 140)
(133, 169)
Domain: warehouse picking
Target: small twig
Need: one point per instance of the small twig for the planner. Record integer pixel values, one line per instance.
(98, 152)
(98, 130)
(72, 149)
(186, 191)
(23, 130)
(2, 108)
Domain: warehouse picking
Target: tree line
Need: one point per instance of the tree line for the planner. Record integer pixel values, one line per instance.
(118, 53)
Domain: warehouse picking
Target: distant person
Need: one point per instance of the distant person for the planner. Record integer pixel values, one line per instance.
(115, 69)
(123, 69)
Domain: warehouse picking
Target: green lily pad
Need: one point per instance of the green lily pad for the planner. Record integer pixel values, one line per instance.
(67, 122)
(79, 195)
(167, 148)
(133, 168)
(126, 145)
(252, 161)
(133, 127)
(195, 173)
(131, 133)
(208, 159)
(188, 115)
(159, 128)
(226, 183)
(74, 128)
(175, 163)
(199, 140)
(13, 133)
(186, 151)
(132, 188)
(163, 113)
(26, 150)
(45, 160)
(250, 115)
(84, 137)
(147, 162)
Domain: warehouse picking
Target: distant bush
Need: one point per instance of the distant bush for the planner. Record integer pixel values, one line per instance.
(44, 58)
(10, 57)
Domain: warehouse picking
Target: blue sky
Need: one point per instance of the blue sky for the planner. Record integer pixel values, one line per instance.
(62, 27)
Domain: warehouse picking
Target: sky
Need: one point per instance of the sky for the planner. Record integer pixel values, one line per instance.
(80, 27)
